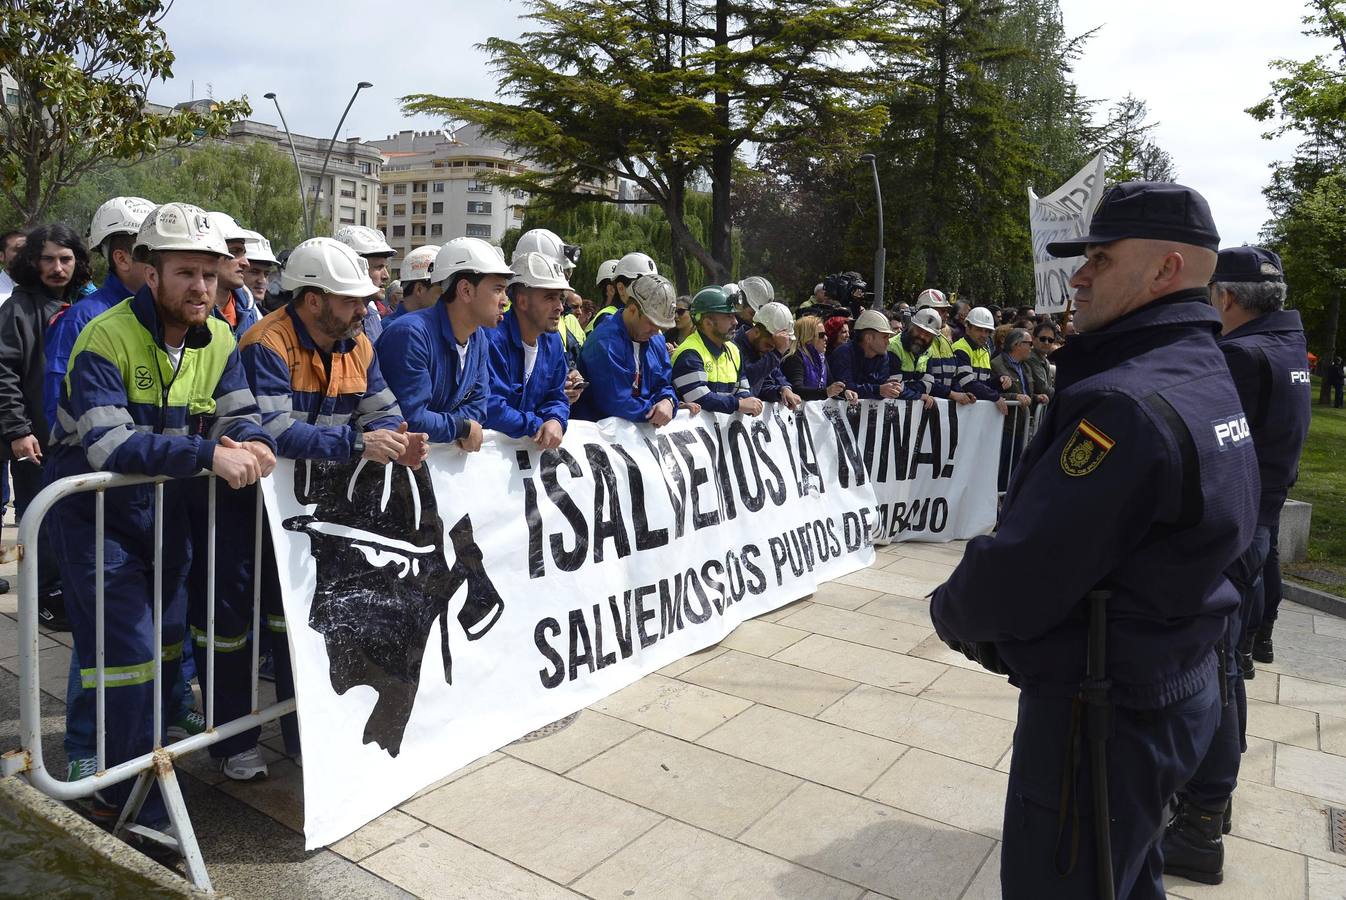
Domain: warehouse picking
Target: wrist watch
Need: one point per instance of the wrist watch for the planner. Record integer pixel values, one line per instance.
(358, 445)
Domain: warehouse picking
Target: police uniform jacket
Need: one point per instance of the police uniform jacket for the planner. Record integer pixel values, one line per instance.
(1125, 488)
(1268, 359)
(438, 394)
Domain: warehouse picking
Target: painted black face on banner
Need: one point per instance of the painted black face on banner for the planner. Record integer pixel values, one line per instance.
(382, 579)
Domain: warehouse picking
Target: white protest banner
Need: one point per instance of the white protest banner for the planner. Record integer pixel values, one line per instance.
(1061, 215)
(436, 616)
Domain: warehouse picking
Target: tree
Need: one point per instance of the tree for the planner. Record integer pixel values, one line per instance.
(82, 70)
(1307, 193)
(1133, 155)
(651, 92)
(255, 183)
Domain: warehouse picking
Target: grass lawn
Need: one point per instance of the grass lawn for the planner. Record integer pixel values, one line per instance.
(1322, 482)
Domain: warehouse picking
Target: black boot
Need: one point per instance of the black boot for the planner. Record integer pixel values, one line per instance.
(1228, 817)
(1193, 847)
(51, 611)
(1245, 652)
(1263, 652)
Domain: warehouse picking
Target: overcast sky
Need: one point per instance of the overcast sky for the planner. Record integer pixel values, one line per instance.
(1197, 63)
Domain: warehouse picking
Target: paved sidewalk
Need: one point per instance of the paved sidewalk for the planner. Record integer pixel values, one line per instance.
(833, 748)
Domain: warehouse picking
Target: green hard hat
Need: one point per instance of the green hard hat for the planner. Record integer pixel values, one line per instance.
(712, 299)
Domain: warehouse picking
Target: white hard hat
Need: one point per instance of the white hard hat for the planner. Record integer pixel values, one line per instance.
(931, 299)
(538, 270)
(259, 249)
(774, 317)
(228, 229)
(550, 245)
(364, 240)
(657, 299)
(981, 317)
(329, 265)
(120, 215)
(872, 320)
(633, 265)
(757, 291)
(928, 321)
(419, 263)
(180, 226)
(607, 269)
(468, 254)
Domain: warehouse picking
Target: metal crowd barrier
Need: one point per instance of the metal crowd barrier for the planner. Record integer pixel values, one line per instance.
(1030, 424)
(155, 766)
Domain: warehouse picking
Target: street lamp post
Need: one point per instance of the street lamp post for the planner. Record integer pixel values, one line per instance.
(303, 198)
(328, 155)
(880, 255)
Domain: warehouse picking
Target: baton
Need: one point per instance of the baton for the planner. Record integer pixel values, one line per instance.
(1095, 693)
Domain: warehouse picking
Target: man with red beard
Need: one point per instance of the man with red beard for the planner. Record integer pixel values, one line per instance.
(154, 387)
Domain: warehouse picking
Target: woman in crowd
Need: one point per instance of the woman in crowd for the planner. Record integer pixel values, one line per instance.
(805, 366)
(838, 330)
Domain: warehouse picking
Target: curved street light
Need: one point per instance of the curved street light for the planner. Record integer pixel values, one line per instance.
(303, 197)
(328, 155)
(880, 255)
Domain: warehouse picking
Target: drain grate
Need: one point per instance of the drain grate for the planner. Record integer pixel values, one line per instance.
(548, 730)
(1336, 819)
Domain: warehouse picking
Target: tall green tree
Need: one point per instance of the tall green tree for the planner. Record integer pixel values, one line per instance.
(1127, 138)
(255, 183)
(1307, 193)
(82, 70)
(651, 92)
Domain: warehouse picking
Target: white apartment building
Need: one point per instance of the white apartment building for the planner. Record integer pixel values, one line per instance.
(431, 189)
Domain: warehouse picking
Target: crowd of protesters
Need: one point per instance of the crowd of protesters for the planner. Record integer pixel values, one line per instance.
(203, 350)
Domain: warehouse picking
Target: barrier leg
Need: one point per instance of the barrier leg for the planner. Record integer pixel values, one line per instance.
(137, 799)
(182, 826)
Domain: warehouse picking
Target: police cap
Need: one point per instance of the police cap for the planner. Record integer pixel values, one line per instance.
(1244, 264)
(1151, 210)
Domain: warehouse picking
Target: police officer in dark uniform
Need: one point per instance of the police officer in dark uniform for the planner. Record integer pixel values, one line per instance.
(1128, 487)
(1264, 345)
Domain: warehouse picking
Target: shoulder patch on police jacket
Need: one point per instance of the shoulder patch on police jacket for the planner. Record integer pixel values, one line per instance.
(1085, 449)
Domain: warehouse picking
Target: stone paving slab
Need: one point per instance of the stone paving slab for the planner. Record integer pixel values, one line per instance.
(831, 748)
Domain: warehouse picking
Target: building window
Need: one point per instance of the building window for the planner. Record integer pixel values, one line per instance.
(459, 165)
(364, 217)
(418, 187)
(383, 209)
(518, 212)
(479, 207)
(436, 230)
(364, 193)
(477, 187)
(11, 96)
(437, 187)
(481, 231)
(399, 209)
(418, 208)
(364, 168)
(399, 231)
(348, 193)
(399, 189)
(383, 190)
(520, 195)
(418, 230)
(437, 208)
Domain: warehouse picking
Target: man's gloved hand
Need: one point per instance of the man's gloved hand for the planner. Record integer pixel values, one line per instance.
(983, 653)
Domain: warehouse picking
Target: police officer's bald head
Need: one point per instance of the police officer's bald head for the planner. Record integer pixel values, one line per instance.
(1145, 240)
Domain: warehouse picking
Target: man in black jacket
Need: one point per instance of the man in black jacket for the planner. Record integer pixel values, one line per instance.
(49, 274)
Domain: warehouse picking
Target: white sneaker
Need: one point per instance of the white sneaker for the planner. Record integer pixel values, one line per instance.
(244, 766)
